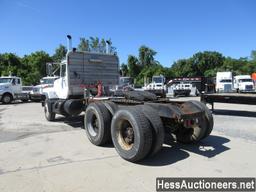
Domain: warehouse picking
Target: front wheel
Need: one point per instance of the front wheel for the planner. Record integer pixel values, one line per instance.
(7, 98)
(49, 115)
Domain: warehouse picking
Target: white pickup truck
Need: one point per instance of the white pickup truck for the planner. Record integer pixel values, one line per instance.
(11, 89)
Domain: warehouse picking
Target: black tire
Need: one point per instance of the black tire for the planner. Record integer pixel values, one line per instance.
(97, 121)
(157, 128)
(131, 134)
(49, 115)
(208, 116)
(111, 106)
(194, 132)
(7, 98)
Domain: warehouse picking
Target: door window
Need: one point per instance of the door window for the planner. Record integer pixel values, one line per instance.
(63, 70)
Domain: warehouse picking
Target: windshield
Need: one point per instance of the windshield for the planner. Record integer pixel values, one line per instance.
(5, 80)
(125, 80)
(245, 80)
(157, 79)
(47, 81)
(226, 81)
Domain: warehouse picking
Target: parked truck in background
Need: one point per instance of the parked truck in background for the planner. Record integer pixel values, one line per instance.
(11, 89)
(224, 82)
(137, 123)
(243, 83)
(157, 86)
(38, 90)
(254, 79)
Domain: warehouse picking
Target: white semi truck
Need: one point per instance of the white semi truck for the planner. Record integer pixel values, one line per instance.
(137, 123)
(224, 82)
(38, 90)
(11, 89)
(243, 83)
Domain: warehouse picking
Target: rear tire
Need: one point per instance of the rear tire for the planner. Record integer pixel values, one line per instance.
(131, 134)
(7, 98)
(49, 115)
(157, 128)
(208, 116)
(194, 132)
(97, 121)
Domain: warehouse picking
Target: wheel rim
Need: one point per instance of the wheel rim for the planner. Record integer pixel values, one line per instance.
(93, 125)
(46, 111)
(188, 130)
(125, 135)
(7, 99)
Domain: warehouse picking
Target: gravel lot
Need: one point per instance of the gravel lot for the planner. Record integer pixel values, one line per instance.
(36, 155)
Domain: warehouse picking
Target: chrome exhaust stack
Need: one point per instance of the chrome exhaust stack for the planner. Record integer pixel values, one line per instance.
(69, 42)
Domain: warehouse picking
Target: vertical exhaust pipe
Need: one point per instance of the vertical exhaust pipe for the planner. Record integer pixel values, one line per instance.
(108, 46)
(69, 42)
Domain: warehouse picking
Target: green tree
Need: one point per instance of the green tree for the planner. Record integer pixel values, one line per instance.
(36, 66)
(133, 66)
(146, 56)
(103, 46)
(124, 70)
(60, 53)
(200, 64)
(183, 68)
(94, 44)
(10, 63)
(253, 55)
(84, 44)
(204, 61)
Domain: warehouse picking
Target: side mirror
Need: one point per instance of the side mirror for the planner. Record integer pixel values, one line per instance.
(41, 81)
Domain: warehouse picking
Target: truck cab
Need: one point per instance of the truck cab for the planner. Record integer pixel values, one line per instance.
(224, 82)
(243, 83)
(11, 89)
(157, 85)
(80, 71)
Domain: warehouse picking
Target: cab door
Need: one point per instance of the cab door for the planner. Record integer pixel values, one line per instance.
(16, 85)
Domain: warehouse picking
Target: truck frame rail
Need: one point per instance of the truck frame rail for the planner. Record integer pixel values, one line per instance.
(235, 98)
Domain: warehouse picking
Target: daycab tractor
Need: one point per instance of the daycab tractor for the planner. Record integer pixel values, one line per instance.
(137, 123)
(224, 82)
(11, 89)
(243, 83)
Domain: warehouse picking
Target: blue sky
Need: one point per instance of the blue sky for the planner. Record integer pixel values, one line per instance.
(174, 28)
